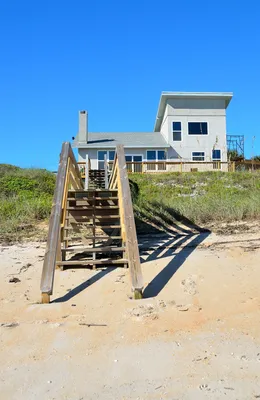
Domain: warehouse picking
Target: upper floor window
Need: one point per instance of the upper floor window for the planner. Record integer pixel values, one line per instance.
(176, 131)
(197, 128)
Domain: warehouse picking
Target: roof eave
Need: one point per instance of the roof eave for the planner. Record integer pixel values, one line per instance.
(227, 96)
(144, 146)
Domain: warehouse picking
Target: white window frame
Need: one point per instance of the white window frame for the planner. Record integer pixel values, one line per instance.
(198, 122)
(165, 151)
(134, 155)
(216, 162)
(156, 160)
(177, 141)
(107, 151)
(216, 159)
(197, 156)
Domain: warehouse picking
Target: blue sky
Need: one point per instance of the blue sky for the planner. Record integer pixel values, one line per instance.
(114, 58)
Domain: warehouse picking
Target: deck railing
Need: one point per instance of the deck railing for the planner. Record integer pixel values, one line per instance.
(179, 166)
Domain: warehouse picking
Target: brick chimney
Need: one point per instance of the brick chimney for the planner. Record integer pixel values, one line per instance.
(83, 126)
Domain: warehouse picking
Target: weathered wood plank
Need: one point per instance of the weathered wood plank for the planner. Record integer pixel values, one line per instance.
(113, 178)
(103, 249)
(124, 195)
(52, 246)
(103, 261)
(54, 224)
(74, 173)
(72, 182)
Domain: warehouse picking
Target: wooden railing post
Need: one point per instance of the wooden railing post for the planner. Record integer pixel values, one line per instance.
(128, 223)
(86, 173)
(106, 171)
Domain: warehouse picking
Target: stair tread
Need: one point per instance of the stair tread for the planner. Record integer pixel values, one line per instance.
(83, 207)
(92, 237)
(96, 216)
(94, 262)
(100, 249)
(67, 228)
(92, 190)
(91, 198)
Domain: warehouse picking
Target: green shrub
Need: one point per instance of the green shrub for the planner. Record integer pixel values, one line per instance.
(26, 198)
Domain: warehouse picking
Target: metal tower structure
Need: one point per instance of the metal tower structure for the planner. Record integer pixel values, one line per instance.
(235, 143)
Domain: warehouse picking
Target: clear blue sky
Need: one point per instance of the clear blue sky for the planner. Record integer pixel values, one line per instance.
(114, 58)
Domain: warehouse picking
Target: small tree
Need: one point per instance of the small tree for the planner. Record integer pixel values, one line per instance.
(233, 155)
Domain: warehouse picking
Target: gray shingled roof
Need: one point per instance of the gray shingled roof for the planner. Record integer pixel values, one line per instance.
(128, 139)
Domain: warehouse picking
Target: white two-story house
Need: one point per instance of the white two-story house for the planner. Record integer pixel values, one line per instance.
(189, 128)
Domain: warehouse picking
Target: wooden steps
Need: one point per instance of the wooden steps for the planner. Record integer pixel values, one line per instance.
(94, 226)
(97, 237)
(98, 224)
(98, 212)
(96, 179)
(86, 207)
(105, 261)
(86, 193)
(84, 198)
(105, 249)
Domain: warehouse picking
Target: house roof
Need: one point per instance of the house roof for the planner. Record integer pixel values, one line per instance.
(227, 96)
(128, 139)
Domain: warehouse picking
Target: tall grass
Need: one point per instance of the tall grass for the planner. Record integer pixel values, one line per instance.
(159, 199)
(25, 199)
(203, 198)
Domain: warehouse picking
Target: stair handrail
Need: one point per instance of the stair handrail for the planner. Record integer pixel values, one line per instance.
(68, 176)
(119, 179)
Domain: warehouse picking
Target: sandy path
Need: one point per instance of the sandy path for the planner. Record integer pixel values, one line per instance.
(195, 335)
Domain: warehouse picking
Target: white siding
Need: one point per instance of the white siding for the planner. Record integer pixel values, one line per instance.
(211, 111)
(92, 153)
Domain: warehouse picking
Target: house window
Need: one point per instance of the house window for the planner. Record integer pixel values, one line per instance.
(111, 155)
(176, 131)
(197, 128)
(151, 155)
(216, 158)
(134, 162)
(101, 157)
(198, 156)
(156, 155)
(216, 155)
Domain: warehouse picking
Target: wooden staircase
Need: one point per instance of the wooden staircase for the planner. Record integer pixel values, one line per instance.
(91, 225)
(92, 229)
(96, 179)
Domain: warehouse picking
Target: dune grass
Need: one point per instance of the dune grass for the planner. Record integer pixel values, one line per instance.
(202, 198)
(159, 199)
(25, 199)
